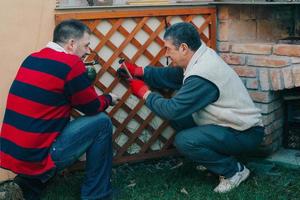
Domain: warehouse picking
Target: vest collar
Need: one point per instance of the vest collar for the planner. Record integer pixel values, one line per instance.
(195, 57)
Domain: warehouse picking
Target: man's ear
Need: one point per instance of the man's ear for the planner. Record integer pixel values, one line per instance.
(184, 48)
(70, 45)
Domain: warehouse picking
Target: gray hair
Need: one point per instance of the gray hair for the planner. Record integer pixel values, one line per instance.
(68, 29)
(183, 32)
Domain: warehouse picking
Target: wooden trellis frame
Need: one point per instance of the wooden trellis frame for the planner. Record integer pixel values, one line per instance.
(116, 20)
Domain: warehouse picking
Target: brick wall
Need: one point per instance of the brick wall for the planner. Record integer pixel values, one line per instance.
(266, 68)
(257, 22)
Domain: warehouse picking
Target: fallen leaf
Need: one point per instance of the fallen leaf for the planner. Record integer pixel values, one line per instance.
(131, 185)
(183, 190)
(177, 166)
(201, 168)
(158, 167)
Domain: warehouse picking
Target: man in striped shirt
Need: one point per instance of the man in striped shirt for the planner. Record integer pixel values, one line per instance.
(37, 137)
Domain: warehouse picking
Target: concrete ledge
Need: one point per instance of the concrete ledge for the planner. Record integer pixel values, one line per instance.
(286, 157)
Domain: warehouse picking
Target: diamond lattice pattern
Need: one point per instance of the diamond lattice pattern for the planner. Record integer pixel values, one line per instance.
(137, 37)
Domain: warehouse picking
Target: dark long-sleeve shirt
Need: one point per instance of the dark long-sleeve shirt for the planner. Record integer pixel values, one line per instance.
(192, 95)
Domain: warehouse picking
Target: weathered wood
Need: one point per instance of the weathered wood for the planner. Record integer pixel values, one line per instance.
(112, 14)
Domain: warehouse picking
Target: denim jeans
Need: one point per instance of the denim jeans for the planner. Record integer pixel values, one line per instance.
(215, 147)
(91, 135)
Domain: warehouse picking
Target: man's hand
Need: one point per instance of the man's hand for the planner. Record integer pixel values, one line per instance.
(115, 99)
(139, 88)
(134, 70)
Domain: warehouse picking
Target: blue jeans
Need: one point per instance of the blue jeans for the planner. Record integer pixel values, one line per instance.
(91, 135)
(215, 147)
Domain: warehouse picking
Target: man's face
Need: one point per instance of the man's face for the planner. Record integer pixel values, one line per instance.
(176, 54)
(80, 47)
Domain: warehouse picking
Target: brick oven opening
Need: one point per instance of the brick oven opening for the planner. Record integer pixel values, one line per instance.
(291, 97)
(291, 135)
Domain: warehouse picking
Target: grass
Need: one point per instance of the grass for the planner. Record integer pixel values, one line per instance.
(165, 180)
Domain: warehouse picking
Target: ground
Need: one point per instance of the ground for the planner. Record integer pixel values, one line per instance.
(177, 178)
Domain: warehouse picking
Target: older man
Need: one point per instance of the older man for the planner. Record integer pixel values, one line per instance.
(212, 112)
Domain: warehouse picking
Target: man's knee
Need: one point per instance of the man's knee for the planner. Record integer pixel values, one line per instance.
(103, 121)
(104, 124)
(191, 149)
(182, 142)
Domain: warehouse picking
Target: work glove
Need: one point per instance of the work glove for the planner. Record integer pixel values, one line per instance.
(134, 70)
(114, 99)
(139, 88)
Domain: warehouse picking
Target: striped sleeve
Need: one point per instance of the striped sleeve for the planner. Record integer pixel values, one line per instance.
(82, 94)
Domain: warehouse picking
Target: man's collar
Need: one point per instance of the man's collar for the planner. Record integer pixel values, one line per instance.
(56, 47)
(196, 56)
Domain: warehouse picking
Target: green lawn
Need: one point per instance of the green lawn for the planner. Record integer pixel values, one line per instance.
(165, 180)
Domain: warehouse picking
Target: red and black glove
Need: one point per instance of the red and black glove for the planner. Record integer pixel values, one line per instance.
(138, 87)
(134, 70)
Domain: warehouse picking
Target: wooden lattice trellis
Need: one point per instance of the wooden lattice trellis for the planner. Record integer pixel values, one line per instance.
(137, 36)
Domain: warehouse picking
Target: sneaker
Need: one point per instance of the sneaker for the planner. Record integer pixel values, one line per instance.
(9, 190)
(227, 184)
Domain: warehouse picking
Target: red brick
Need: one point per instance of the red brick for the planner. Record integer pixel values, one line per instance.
(269, 129)
(252, 48)
(265, 30)
(277, 124)
(234, 12)
(223, 46)
(287, 50)
(247, 12)
(269, 149)
(296, 74)
(264, 79)
(234, 59)
(263, 97)
(267, 61)
(242, 30)
(276, 79)
(287, 77)
(223, 12)
(223, 27)
(245, 71)
(267, 140)
(269, 118)
(295, 60)
(257, 97)
(273, 127)
(273, 139)
(268, 108)
(252, 83)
